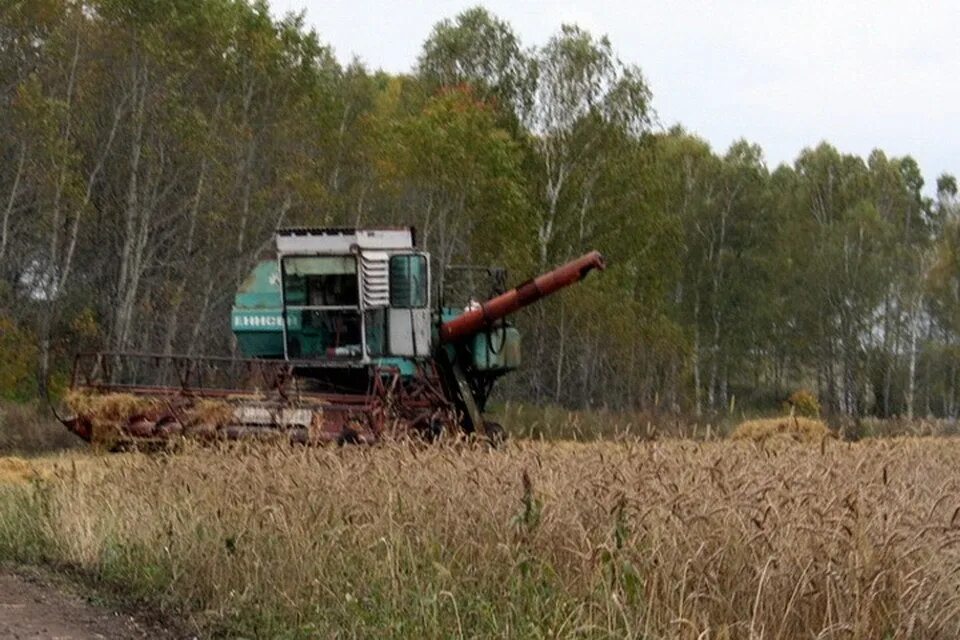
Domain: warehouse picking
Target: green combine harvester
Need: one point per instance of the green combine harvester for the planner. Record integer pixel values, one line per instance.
(341, 341)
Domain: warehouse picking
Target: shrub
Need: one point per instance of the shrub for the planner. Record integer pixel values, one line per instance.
(803, 403)
(18, 354)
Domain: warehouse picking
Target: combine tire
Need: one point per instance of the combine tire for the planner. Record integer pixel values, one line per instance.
(168, 428)
(349, 435)
(495, 433)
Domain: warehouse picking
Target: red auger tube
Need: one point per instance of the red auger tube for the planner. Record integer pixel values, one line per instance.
(486, 314)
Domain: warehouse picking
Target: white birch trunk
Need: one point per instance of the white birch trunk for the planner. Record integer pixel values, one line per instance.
(912, 366)
(560, 354)
(11, 201)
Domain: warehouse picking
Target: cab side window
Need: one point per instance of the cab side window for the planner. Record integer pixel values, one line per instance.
(408, 281)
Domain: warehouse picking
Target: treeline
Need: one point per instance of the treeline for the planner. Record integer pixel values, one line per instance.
(149, 148)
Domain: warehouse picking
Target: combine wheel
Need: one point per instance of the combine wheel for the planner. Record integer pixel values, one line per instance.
(435, 428)
(427, 427)
(349, 435)
(202, 431)
(140, 427)
(495, 433)
(168, 427)
(80, 426)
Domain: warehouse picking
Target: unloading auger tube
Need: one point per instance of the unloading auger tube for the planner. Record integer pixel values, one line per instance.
(489, 312)
(467, 385)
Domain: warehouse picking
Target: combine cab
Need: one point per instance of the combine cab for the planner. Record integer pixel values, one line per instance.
(341, 343)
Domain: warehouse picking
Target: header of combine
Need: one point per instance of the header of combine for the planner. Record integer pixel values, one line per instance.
(341, 340)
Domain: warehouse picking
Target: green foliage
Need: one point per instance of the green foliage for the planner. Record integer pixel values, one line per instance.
(18, 357)
(479, 50)
(23, 535)
(151, 148)
(468, 171)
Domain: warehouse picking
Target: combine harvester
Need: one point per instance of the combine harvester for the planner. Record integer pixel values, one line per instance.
(341, 344)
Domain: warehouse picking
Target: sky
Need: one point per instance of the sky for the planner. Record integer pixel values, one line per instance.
(786, 75)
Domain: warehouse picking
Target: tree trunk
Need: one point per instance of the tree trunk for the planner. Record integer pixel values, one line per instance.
(11, 201)
(559, 371)
(202, 318)
(888, 356)
(912, 366)
(173, 315)
(88, 194)
(697, 385)
(926, 372)
(50, 277)
(132, 215)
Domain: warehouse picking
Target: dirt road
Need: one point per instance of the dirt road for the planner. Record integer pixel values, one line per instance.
(32, 606)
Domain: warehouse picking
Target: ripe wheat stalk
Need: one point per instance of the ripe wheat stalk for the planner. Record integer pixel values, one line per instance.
(672, 539)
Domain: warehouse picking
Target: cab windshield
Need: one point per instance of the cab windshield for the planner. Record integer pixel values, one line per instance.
(322, 299)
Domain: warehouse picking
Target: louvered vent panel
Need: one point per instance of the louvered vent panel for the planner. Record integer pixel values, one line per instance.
(376, 279)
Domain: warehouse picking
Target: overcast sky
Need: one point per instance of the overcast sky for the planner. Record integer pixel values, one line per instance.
(860, 74)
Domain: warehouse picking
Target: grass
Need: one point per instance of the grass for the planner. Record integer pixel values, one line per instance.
(552, 422)
(668, 539)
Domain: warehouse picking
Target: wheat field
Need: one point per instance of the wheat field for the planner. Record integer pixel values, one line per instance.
(671, 539)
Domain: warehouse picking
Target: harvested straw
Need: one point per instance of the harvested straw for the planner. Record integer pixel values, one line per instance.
(210, 412)
(110, 407)
(785, 427)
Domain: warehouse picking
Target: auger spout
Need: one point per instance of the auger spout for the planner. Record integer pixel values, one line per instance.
(482, 317)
